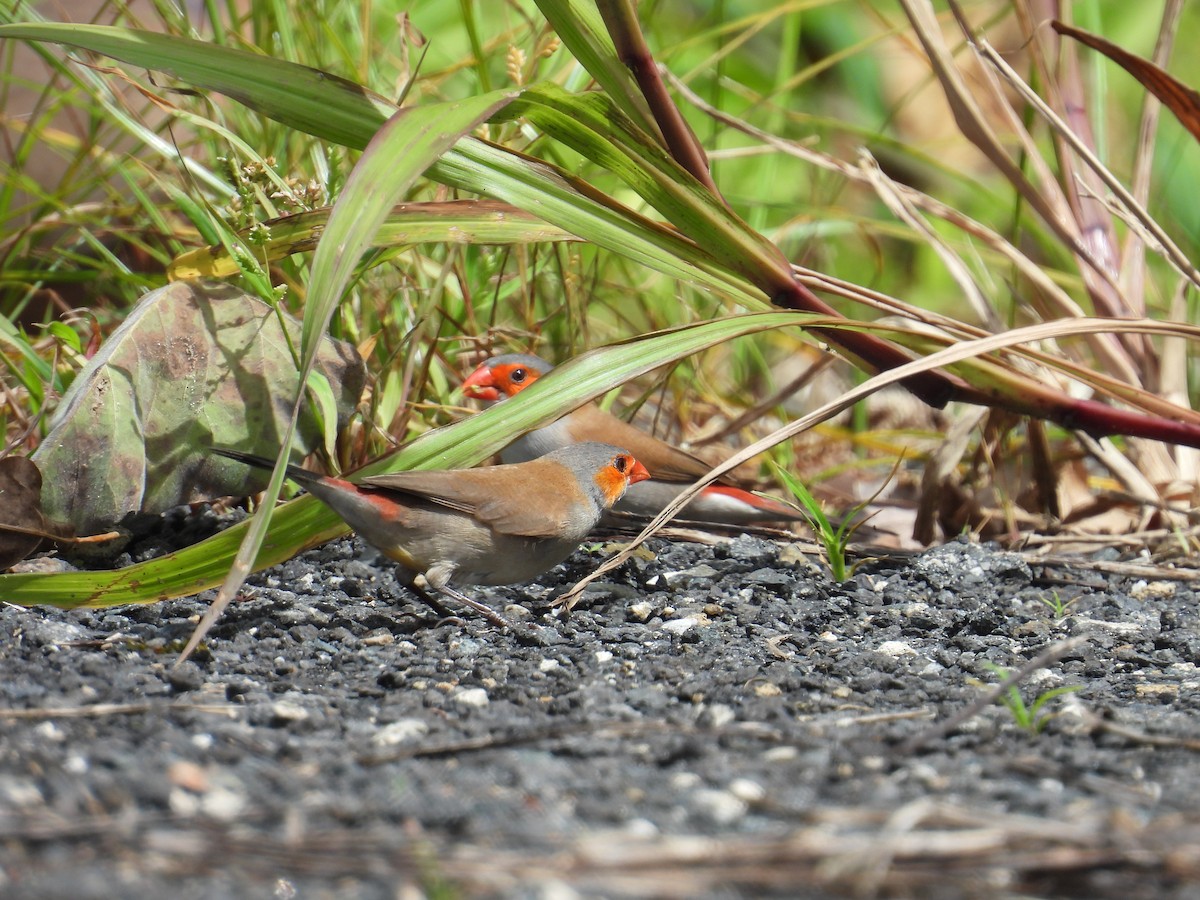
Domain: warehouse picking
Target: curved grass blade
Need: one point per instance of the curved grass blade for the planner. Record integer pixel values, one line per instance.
(333, 109)
(452, 221)
(393, 160)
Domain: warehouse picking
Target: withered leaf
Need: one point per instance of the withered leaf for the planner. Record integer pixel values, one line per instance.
(20, 505)
(195, 364)
(1176, 96)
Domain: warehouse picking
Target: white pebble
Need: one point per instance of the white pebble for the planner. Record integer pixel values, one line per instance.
(681, 781)
(719, 715)
(642, 611)
(679, 626)
(283, 711)
(780, 754)
(721, 807)
(472, 697)
(747, 790)
(897, 648)
(400, 731)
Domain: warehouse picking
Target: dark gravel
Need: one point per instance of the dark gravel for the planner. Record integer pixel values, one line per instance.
(715, 720)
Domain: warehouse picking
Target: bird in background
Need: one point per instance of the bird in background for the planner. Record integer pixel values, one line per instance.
(488, 526)
(671, 469)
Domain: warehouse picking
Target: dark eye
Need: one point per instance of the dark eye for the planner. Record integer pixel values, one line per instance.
(620, 463)
(518, 375)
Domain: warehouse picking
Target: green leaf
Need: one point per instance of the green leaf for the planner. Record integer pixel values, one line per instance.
(454, 221)
(300, 97)
(65, 333)
(579, 25)
(592, 125)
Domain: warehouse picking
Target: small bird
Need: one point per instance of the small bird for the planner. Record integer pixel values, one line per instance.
(494, 525)
(671, 469)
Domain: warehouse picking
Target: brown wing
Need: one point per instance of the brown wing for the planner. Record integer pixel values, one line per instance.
(534, 499)
(664, 461)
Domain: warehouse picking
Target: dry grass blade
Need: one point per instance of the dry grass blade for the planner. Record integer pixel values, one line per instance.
(952, 354)
(1133, 258)
(974, 125)
(939, 847)
(1136, 212)
(1182, 100)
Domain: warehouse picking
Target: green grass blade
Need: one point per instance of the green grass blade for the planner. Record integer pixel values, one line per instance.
(579, 25)
(334, 109)
(456, 221)
(301, 97)
(593, 125)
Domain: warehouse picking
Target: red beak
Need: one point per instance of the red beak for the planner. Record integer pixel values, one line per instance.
(481, 385)
(638, 473)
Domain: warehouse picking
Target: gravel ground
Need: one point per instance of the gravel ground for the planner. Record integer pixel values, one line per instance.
(715, 720)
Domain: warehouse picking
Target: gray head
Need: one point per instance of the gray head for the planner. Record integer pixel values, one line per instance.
(503, 376)
(602, 470)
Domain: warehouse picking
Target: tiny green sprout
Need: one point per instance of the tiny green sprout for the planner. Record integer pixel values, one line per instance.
(1057, 605)
(1029, 717)
(833, 539)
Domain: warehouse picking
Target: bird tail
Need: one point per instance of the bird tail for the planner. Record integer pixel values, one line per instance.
(297, 474)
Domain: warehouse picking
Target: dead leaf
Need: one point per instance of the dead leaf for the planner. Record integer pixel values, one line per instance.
(195, 364)
(20, 506)
(1174, 94)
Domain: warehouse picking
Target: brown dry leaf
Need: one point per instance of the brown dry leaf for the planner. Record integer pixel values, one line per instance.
(1174, 94)
(20, 505)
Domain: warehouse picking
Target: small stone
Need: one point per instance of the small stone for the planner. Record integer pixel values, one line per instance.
(1151, 590)
(897, 649)
(720, 807)
(399, 732)
(748, 791)
(76, 764)
(639, 827)
(472, 697)
(223, 804)
(702, 572)
(548, 665)
(189, 776)
(185, 677)
(767, 689)
(49, 731)
(603, 656)
(682, 781)
(792, 555)
(680, 626)
(717, 715)
(284, 713)
(642, 611)
(1157, 691)
(780, 754)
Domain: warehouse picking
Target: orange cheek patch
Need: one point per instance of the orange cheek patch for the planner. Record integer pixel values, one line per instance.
(611, 483)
